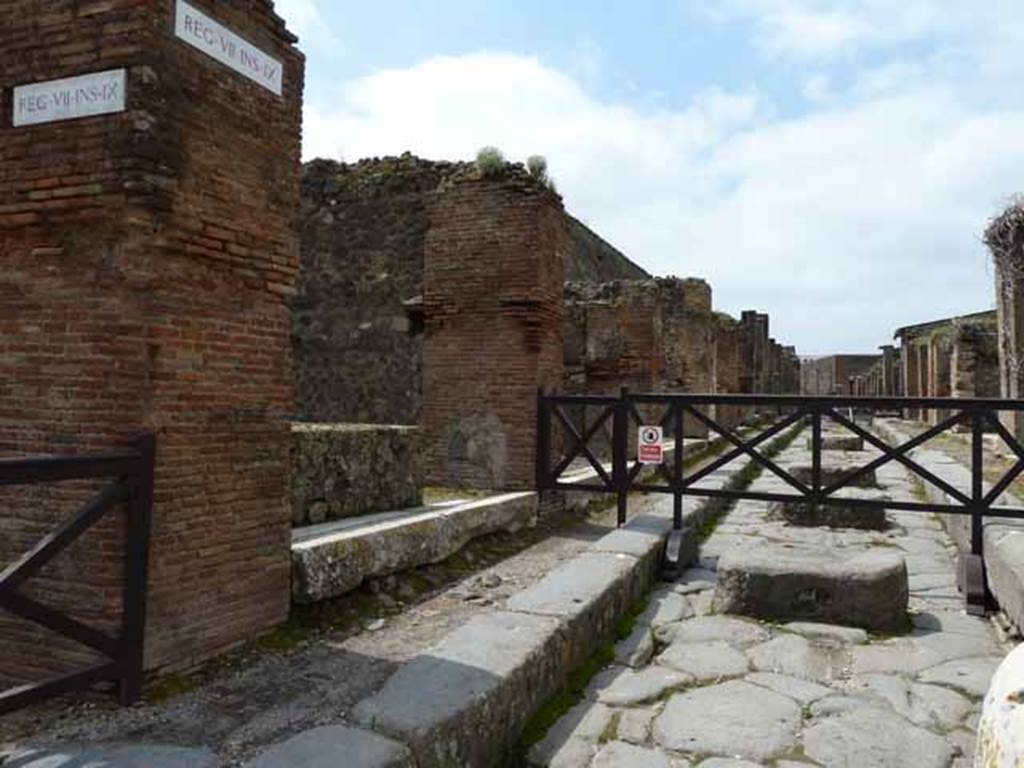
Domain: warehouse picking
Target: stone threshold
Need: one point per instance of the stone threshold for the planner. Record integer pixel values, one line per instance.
(1003, 537)
(332, 558)
(466, 701)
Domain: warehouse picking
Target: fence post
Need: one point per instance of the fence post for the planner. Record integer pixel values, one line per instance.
(816, 452)
(677, 496)
(542, 461)
(972, 578)
(620, 446)
(136, 569)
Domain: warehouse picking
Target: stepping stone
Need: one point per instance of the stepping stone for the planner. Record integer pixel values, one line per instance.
(705, 661)
(734, 718)
(808, 514)
(873, 737)
(334, 745)
(706, 629)
(832, 473)
(113, 756)
(838, 443)
(863, 589)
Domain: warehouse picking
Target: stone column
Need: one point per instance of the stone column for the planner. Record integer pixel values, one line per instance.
(149, 253)
(493, 308)
(939, 374)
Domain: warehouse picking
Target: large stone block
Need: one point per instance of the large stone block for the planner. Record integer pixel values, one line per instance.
(1001, 730)
(833, 472)
(839, 443)
(470, 696)
(807, 513)
(864, 589)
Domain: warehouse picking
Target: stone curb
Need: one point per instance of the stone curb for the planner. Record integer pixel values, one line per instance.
(1004, 538)
(467, 700)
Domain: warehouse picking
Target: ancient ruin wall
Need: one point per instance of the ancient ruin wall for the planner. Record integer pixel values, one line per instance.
(357, 326)
(975, 361)
(357, 345)
(1005, 239)
(147, 257)
(493, 308)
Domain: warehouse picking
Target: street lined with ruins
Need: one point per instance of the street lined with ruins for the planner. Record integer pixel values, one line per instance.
(695, 687)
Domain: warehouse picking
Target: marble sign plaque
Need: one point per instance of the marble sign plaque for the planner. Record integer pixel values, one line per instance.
(98, 93)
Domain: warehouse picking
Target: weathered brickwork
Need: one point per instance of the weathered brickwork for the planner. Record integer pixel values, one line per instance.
(493, 308)
(147, 258)
(357, 325)
(835, 374)
(1005, 239)
(950, 357)
(755, 352)
(728, 367)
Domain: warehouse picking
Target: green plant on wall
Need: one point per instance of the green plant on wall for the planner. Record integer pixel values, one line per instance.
(490, 162)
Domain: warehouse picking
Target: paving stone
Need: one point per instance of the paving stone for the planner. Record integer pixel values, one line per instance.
(574, 753)
(734, 719)
(956, 622)
(664, 607)
(703, 603)
(113, 756)
(836, 705)
(635, 724)
(969, 675)
(903, 654)
(727, 762)
(951, 645)
(705, 661)
(586, 721)
(873, 737)
(929, 705)
(627, 686)
(865, 589)
(801, 690)
(809, 514)
(619, 754)
(814, 629)
(333, 745)
(637, 649)
(737, 632)
(796, 656)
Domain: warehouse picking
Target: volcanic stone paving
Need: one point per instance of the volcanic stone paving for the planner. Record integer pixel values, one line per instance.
(693, 688)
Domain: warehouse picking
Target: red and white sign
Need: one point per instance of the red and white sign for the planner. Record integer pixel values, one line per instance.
(649, 449)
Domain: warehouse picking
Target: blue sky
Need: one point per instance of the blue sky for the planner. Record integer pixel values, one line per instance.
(831, 163)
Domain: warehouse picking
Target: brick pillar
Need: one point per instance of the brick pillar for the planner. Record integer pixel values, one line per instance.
(888, 383)
(910, 360)
(728, 366)
(938, 374)
(492, 294)
(148, 256)
(1005, 237)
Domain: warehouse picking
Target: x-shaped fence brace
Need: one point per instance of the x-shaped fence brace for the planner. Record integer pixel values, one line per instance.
(132, 482)
(623, 411)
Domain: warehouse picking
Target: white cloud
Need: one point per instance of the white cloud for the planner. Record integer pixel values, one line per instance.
(844, 223)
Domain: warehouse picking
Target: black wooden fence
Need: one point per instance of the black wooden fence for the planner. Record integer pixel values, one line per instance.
(131, 481)
(623, 413)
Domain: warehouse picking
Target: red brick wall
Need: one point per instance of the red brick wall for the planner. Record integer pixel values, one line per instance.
(147, 257)
(728, 367)
(492, 295)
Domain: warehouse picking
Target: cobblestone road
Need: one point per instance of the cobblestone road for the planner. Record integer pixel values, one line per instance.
(691, 688)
